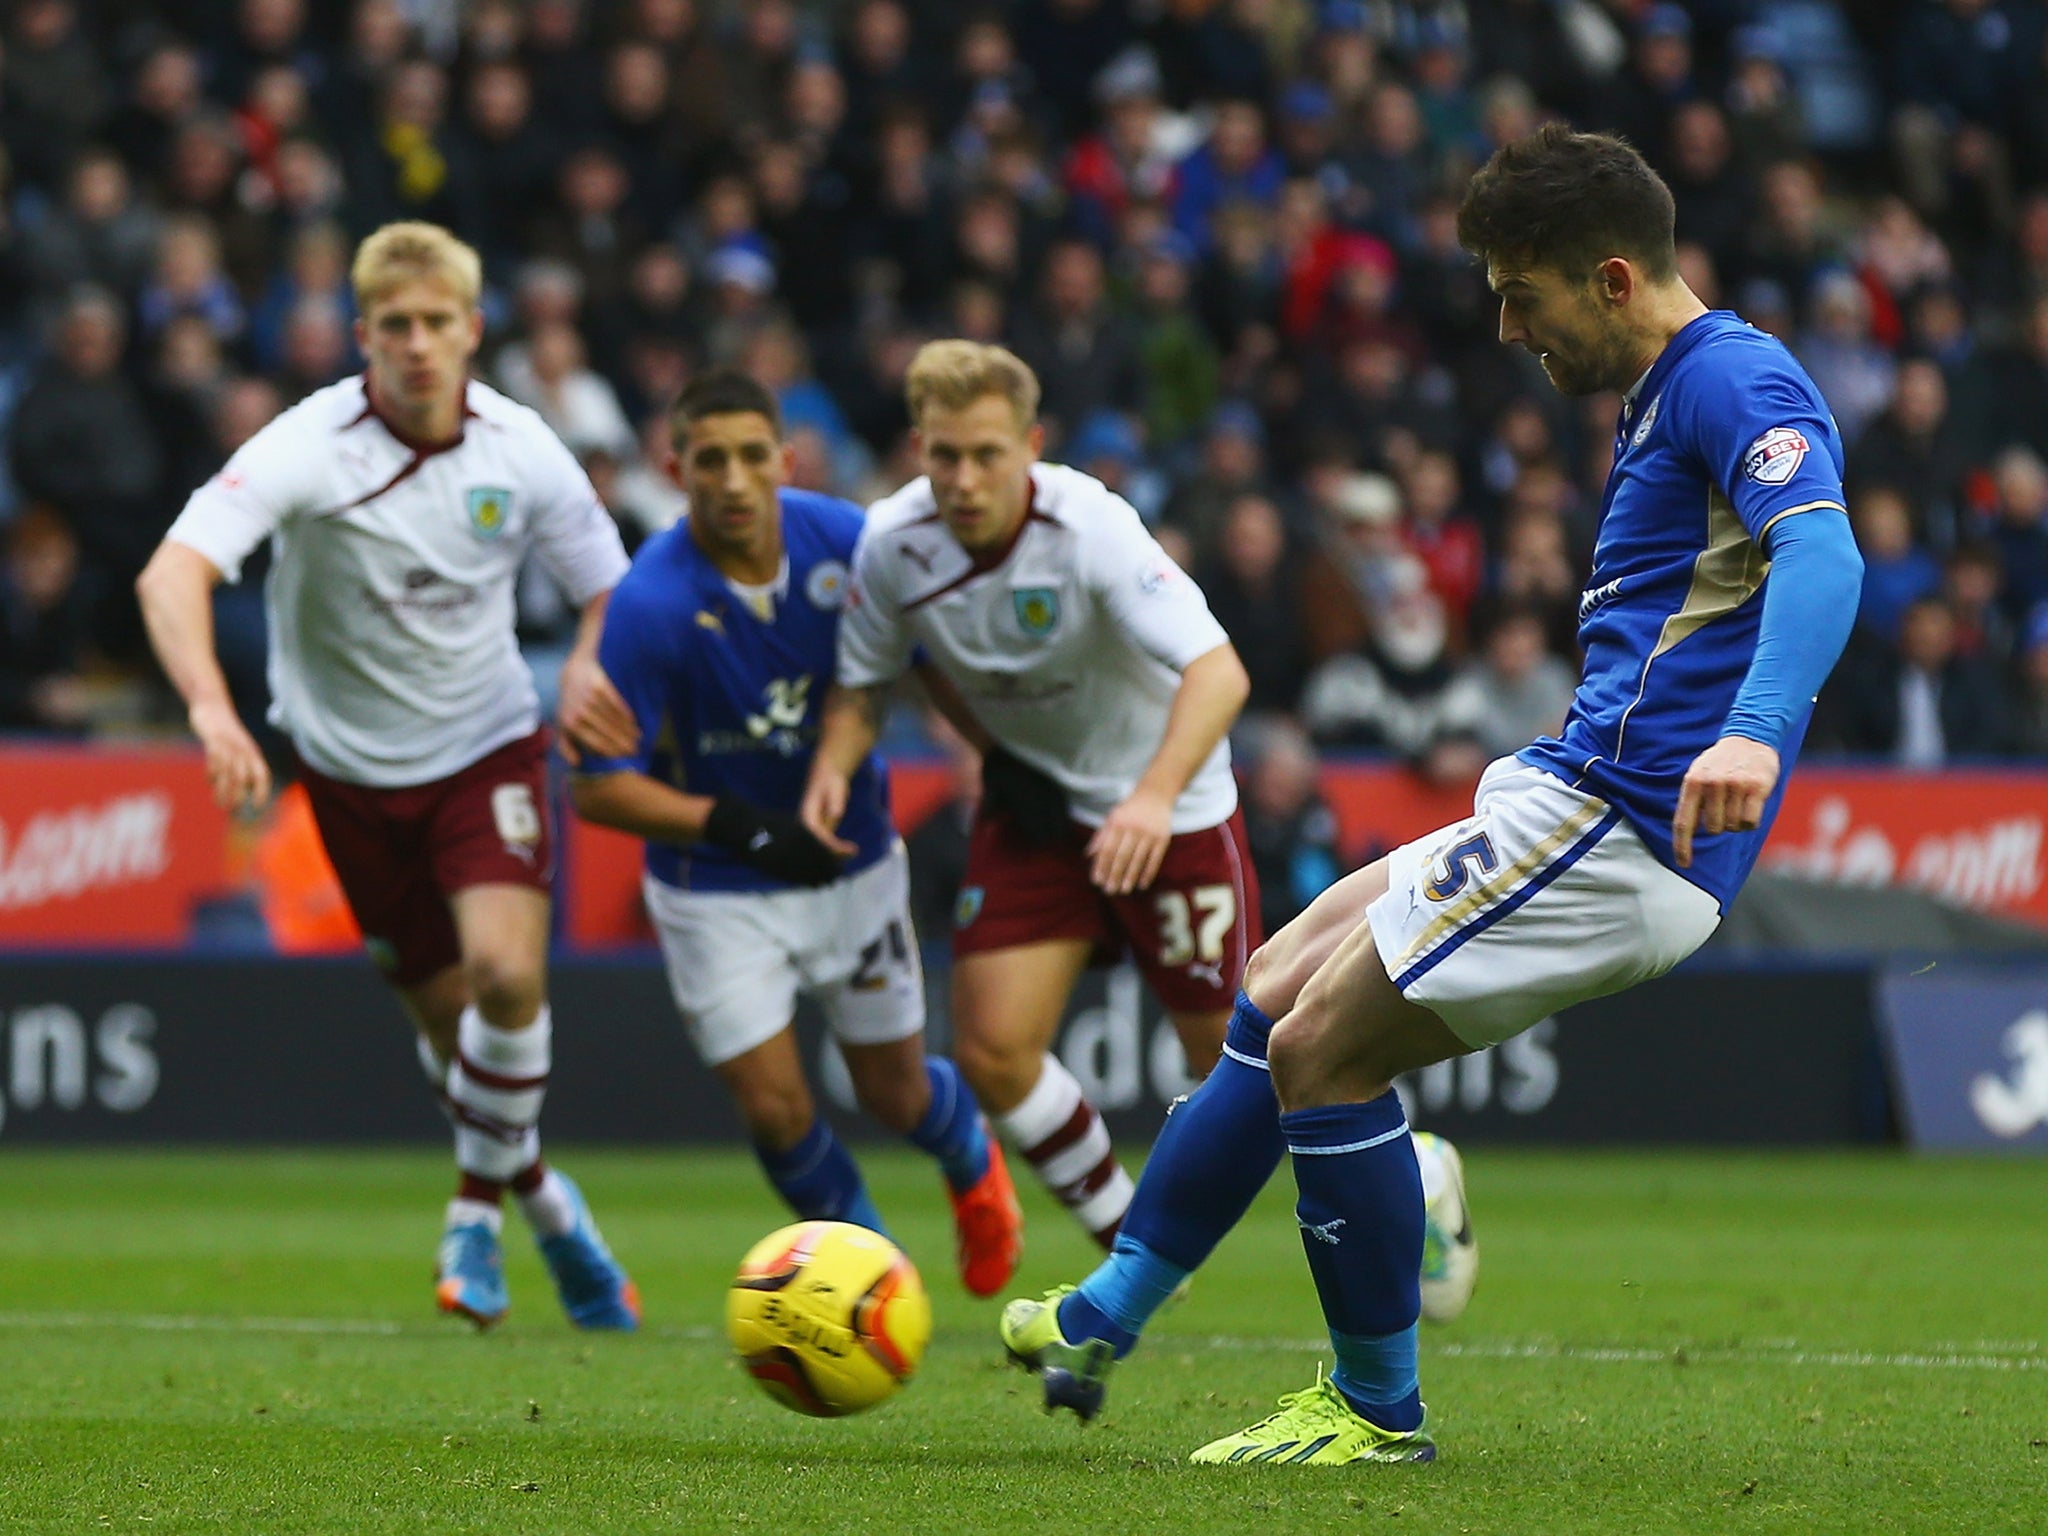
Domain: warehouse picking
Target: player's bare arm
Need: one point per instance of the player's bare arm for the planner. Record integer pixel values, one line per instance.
(1725, 790)
(176, 593)
(1125, 852)
(850, 723)
(592, 716)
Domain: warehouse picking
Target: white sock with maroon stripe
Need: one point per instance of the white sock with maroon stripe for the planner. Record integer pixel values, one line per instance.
(1063, 1138)
(495, 1087)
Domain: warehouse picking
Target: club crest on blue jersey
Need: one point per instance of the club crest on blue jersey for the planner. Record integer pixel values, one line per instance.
(1038, 610)
(826, 585)
(967, 907)
(1643, 427)
(490, 508)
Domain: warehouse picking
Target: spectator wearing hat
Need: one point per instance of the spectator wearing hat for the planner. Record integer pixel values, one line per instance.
(1854, 373)
(1764, 113)
(1107, 446)
(1389, 693)
(1638, 103)
(1440, 62)
(1177, 358)
(1305, 129)
(1133, 150)
(1360, 539)
(1232, 463)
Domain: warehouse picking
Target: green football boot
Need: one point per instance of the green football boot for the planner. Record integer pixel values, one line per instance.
(1072, 1374)
(1317, 1428)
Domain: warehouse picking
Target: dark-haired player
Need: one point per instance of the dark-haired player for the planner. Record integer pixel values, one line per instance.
(721, 640)
(1724, 584)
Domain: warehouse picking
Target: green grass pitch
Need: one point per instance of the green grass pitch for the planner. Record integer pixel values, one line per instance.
(1660, 1343)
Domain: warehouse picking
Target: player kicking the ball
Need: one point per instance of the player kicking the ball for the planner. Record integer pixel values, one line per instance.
(1724, 584)
(721, 640)
(1099, 687)
(401, 505)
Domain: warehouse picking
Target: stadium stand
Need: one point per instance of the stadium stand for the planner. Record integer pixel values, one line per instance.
(1222, 231)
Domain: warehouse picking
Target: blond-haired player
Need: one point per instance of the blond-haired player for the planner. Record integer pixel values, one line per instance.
(401, 504)
(1100, 688)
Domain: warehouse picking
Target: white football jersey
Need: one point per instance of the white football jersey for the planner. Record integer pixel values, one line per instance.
(392, 654)
(1069, 650)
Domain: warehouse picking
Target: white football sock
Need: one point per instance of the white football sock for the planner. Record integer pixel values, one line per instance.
(495, 1088)
(547, 1206)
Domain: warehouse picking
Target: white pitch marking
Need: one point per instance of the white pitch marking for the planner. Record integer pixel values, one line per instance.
(2015, 1355)
(358, 1327)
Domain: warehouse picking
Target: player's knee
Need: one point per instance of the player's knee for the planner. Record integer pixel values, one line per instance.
(504, 985)
(1000, 1073)
(777, 1115)
(1293, 1055)
(1259, 978)
(898, 1099)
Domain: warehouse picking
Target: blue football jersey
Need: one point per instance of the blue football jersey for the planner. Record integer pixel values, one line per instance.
(1724, 436)
(727, 694)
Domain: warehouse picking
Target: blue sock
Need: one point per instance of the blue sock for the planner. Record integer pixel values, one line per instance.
(951, 1129)
(820, 1180)
(1213, 1156)
(1360, 1214)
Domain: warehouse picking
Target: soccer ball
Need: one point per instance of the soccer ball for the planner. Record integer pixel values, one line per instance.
(829, 1317)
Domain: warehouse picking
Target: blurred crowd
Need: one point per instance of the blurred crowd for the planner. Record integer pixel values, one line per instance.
(1222, 231)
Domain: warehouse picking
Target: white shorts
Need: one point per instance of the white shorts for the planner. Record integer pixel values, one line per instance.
(737, 960)
(1543, 897)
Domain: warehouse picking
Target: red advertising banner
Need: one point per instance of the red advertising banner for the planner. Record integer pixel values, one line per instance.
(112, 847)
(106, 848)
(1975, 838)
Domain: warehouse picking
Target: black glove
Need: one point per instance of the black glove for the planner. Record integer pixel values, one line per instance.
(774, 842)
(1033, 803)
